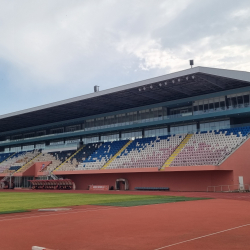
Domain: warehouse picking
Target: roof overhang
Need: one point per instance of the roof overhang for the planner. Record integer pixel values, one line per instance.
(187, 83)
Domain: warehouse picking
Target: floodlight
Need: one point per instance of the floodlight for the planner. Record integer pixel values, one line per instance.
(191, 63)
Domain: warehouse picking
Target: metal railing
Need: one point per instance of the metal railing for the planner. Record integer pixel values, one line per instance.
(5, 178)
(229, 188)
(118, 124)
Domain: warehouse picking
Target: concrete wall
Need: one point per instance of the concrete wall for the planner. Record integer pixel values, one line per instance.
(239, 162)
(176, 181)
(179, 179)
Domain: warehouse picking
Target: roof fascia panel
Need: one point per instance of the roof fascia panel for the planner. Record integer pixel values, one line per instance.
(169, 103)
(174, 121)
(233, 74)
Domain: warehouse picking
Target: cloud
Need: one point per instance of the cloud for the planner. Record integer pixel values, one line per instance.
(51, 50)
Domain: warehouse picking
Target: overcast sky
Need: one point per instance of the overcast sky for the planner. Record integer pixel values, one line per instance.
(52, 50)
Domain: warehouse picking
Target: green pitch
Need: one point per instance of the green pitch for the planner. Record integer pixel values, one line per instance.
(13, 202)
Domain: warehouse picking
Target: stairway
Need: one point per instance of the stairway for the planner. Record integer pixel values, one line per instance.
(27, 165)
(176, 152)
(80, 149)
(118, 153)
(6, 178)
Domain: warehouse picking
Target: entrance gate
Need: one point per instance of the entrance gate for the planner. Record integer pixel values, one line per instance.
(118, 183)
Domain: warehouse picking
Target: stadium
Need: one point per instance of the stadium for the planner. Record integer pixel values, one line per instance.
(112, 138)
(156, 164)
(184, 131)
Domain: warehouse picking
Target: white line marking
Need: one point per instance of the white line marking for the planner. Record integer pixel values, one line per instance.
(86, 210)
(204, 236)
(54, 214)
(28, 214)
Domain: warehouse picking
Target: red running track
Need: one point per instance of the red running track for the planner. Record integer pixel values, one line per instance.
(181, 225)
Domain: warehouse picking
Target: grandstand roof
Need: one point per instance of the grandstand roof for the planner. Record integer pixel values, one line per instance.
(187, 83)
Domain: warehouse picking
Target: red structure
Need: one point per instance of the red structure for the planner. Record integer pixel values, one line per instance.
(193, 178)
(53, 184)
(99, 187)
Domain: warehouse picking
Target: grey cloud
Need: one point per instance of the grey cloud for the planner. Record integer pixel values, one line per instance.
(60, 49)
(207, 19)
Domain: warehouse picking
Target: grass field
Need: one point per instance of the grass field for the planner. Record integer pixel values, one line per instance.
(19, 202)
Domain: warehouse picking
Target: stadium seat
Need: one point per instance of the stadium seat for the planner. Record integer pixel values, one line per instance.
(210, 147)
(147, 152)
(79, 157)
(103, 154)
(17, 159)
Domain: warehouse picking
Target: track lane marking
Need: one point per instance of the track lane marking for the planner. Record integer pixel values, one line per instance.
(44, 215)
(81, 210)
(86, 210)
(204, 236)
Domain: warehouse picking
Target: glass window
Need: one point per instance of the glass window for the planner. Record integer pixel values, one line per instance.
(90, 139)
(28, 147)
(15, 149)
(222, 102)
(246, 99)
(234, 101)
(56, 142)
(29, 135)
(132, 116)
(17, 137)
(112, 137)
(205, 105)
(40, 145)
(89, 123)
(57, 130)
(73, 128)
(41, 133)
(216, 103)
(215, 125)
(211, 104)
(156, 132)
(131, 135)
(72, 141)
(240, 100)
(183, 129)
(201, 105)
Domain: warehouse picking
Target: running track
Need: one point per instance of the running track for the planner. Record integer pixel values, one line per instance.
(204, 224)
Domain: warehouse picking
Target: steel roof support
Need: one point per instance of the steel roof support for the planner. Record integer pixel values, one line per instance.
(213, 81)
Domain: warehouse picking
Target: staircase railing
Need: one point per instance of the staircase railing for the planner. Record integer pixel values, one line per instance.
(5, 178)
(229, 188)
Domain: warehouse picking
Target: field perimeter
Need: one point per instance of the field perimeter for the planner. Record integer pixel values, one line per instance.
(110, 222)
(20, 201)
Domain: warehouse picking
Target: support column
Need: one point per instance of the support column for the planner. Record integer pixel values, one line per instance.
(198, 125)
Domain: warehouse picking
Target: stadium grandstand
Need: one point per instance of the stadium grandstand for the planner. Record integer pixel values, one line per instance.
(187, 131)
